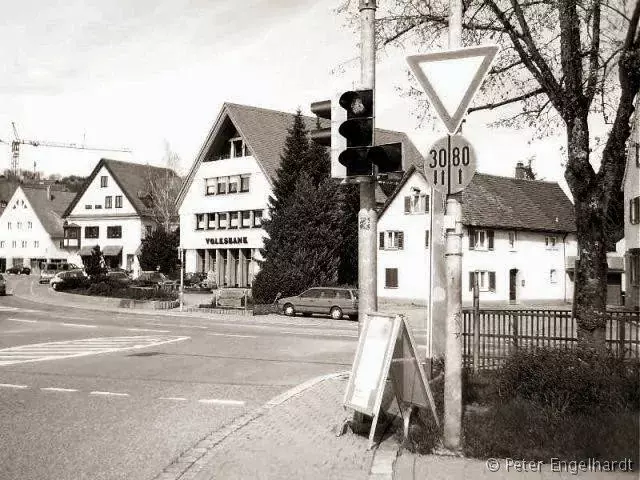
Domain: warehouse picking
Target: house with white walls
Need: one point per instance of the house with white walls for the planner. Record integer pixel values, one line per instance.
(31, 227)
(631, 189)
(225, 196)
(114, 211)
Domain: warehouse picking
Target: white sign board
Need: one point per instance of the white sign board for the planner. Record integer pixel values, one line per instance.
(450, 164)
(451, 79)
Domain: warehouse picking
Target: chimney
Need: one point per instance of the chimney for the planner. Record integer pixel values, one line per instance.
(521, 172)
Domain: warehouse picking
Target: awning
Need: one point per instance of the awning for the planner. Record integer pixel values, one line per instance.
(86, 251)
(112, 250)
(614, 264)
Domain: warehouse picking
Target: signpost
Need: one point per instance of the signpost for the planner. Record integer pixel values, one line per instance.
(450, 164)
(387, 350)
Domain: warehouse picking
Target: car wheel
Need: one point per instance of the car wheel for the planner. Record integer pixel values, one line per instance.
(336, 313)
(54, 286)
(289, 310)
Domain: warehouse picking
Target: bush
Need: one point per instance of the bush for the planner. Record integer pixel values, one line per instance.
(570, 380)
(101, 289)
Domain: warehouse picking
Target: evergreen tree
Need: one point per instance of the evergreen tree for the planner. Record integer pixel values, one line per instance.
(305, 241)
(94, 263)
(348, 268)
(318, 164)
(293, 162)
(160, 249)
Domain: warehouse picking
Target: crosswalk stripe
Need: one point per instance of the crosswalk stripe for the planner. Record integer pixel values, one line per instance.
(80, 348)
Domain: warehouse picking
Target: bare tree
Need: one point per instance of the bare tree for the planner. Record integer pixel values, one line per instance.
(163, 187)
(564, 64)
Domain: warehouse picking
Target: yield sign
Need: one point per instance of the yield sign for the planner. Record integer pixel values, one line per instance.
(451, 78)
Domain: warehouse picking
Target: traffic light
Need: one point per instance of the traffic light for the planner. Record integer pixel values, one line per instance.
(358, 127)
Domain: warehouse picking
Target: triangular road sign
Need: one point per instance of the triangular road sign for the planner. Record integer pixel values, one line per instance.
(451, 78)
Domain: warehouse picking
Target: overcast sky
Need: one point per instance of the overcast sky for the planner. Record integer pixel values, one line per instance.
(137, 73)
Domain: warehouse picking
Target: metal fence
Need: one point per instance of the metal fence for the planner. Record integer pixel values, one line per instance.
(497, 333)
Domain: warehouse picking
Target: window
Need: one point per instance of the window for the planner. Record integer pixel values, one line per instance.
(634, 211)
(14, 244)
(19, 225)
(480, 239)
(390, 278)
(550, 243)
(426, 239)
(104, 181)
(222, 185)
(637, 146)
(486, 280)
(108, 201)
(211, 223)
(29, 225)
(245, 219)
(114, 232)
(118, 201)
(416, 203)
(257, 218)
(222, 220)
(24, 244)
(91, 232)
(98, 207)
(2, 243)
(199, 221)
(634, 268)
(210, 186)
(513, 236)
(233, 220)
(553, 276)
(9, 226)
(36, 244)
(88, 207)
(236, 147)
(391, 240)
(233, 184)
(244, 183)
(148, 230)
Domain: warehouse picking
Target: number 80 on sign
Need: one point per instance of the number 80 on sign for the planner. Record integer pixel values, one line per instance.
(450, 164)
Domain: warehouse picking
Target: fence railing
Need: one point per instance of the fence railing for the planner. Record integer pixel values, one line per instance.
(494, 334)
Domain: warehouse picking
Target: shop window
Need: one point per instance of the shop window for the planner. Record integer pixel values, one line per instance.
(390, 278)
(91, 232)
(244, 183)
(199, 221)
(211, 223)
(391, 240)
(480, 239)
(108, 201)
(114, 232)
(257, 218)
(118, 201)
(210, 186)
(486, 280)
(222, 220)
(245, 219)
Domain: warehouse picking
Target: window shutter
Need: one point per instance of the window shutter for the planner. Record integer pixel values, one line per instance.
(490, 239)
(381, 240)
(387, 277)
(400, 240)
(426, 238)
(407, 204)
(426, 204)
(472, 239)
(492, 281)
(470, 281)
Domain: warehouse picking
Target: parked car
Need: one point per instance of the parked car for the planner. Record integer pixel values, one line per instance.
(49, 270)
(19, 270)
(156, 279)
(333, 301)
(119, 276)
(3, 285)
(69, 279)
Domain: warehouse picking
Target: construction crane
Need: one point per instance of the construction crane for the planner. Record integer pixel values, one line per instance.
(17, 141)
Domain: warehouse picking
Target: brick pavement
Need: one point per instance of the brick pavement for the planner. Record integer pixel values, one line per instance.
(290, 437)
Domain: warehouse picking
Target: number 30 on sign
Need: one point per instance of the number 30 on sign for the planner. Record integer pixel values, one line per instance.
(450, 164)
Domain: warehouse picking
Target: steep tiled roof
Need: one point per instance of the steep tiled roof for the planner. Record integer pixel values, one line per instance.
(133, 179)
(265, 132)
(49, 211)
(7, 189)
(504, 202)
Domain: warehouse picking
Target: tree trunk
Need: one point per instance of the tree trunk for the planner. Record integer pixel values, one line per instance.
(590, 295)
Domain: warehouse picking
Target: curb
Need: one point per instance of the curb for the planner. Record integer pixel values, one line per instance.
(190, 463)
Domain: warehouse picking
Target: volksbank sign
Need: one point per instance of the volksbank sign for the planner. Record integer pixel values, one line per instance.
(226, 240)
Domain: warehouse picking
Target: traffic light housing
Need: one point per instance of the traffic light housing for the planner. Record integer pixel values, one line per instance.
(358, 127)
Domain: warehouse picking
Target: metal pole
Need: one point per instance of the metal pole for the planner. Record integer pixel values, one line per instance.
(181, 252)
(453, 256)
(367, 216)
(476, 325)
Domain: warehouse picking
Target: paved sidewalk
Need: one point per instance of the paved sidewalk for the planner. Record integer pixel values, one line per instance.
(290, 437)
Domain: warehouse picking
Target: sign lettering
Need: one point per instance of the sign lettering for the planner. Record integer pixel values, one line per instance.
(226, 240)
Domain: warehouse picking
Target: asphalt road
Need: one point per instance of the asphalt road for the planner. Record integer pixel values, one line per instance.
(90, 394)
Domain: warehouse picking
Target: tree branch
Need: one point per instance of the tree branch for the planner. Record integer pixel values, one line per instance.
(519, 98)
(594, 53)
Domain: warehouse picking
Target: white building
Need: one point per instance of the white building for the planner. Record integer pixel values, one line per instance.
(113, 211)
(225, 196)
(31, 227)
(631, 187)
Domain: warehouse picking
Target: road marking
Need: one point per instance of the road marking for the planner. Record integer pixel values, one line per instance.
(221, 402)
(231, 335)
(147, 330)
(107, 394)
(176, 399)
(80, 348)
(9, 385)
(57, 389)
(318, 334)
(178, 325)
(23, 320)
(80, 325)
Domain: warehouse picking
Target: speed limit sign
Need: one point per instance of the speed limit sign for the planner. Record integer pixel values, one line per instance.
(450, 164)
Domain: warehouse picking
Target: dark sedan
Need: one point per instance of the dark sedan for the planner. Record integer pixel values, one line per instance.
(19, 270)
